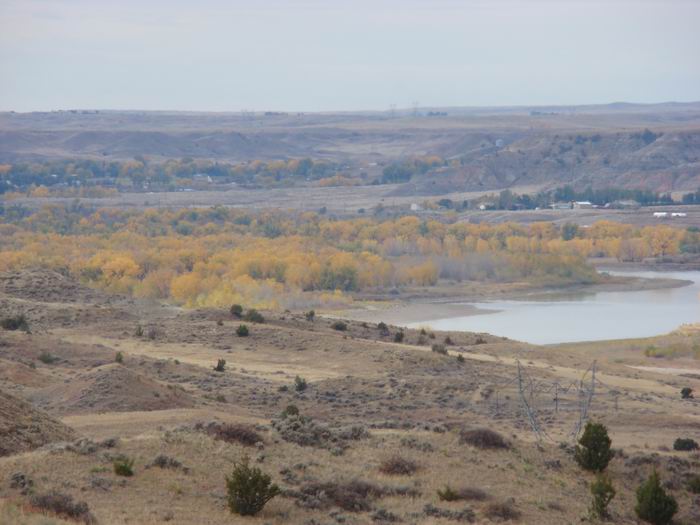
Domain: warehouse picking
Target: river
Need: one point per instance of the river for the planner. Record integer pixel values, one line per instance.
(586, 317)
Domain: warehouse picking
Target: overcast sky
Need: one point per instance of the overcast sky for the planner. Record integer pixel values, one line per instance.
(344, 54)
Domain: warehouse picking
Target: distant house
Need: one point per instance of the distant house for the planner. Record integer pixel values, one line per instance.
(579, 205)
(561, 206)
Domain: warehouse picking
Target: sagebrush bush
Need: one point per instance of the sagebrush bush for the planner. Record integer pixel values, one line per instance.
(398, 466)
(602, 493)
(398, 337)
(593, 449)
(236, 310)
(63, 506)
(234, 433)
(694, 484)
(686, 393)
(439, 349)
(685, 444)
(310, 315)
(47, 358)
(119, 358)
(249, 489)
(483, 438)
(462, 494)
(340, 326)
(653, 504)
(503, 511)
(123, 466)
(17, 322)
(253, 316)
(460, 358)
(220, 365)
(290, 410)
(242, 331)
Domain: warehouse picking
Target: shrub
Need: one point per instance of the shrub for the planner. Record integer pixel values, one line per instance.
(383, 328)
(253, 316)
(685, 444)
(398, 337)
(17, 322)
(686, 393)
(340, 326)
(398, 466)
(242, 331)
(593, 449)
(123, 466)
(463, 494)
(290, 410)
(439, 349)
(460, 358)
(694, 484)
(483, 438)
(119, 358)
(249, 489)
(63, 506)
(448, 340)
(504, 511)
(236, 310)
(310, 315)
(234, 433)
(300, 384)
(152, 333)
(466, 515)
(653, 504)
(166, 462)
(480, 341)
(351, 496)
(47, 358)
(602, 492)
(139, 331)
(220, 365)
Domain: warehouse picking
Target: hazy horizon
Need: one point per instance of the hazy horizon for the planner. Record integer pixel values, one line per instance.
(349, 56)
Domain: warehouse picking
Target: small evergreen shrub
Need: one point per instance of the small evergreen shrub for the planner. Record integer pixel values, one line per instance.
(139, 331)
(685, 444)
(17, 322)
(383, 328)
(463, 494)
(593, 449)
(253, 316)
(653, 504)
(220, 365)
(448, 341)
(119, 358)
(300, 384)
(123, 466)
(249, 489)
(242, 331)
(236, 310)
(310, 315)
(460, 358)
(340, 326)
(687, 393)
(234, 433)
(602, 493)
(398, 337)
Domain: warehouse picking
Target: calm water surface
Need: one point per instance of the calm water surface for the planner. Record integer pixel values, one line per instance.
(587, 317)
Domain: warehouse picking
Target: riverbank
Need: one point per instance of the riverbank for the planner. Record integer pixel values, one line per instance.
(456, 300)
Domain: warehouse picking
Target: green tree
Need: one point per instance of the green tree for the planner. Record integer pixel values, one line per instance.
(653, 504)
(593, 449)
(602, 492)
(249, 489)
